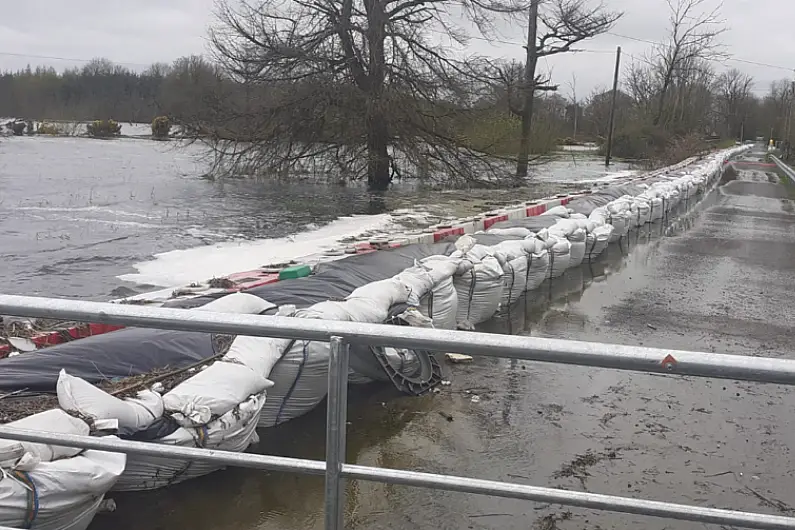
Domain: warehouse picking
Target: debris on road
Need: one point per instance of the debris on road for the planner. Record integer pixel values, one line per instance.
(458, 358)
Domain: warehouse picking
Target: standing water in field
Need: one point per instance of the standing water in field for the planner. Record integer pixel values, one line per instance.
(100, 219)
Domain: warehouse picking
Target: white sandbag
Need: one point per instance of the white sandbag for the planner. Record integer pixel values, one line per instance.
(259, 354)
(514, 279)
(441, 305)
(560, 256)
(537, 269)
(300, 382)
(601, 237)
(66, 493)
(565, 227)
(213, 392)
(619, 224)
(516, 231)
(369, 303)
(480, 252)
(427, 274)
(516, 248)
(240, 303)
(641, 212)
(599, 216)
(576, 253)
(479, 292)
(383, 293)
(53, 421)
(133, 414)
(465, 243)
(234, 431)
(618, 206)
(569, 229)
(560, 211)
(657, 209)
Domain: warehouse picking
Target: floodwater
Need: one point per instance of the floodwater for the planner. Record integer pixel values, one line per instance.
(719, 279)
(102, 219)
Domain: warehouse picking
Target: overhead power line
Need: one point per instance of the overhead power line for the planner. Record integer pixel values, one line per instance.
(473, 37)
(70, 59)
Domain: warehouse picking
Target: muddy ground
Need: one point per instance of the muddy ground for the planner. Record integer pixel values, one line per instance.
(721, 280)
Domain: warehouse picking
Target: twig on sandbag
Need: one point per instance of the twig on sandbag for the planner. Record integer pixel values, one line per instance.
(221, 345)
(14, 393)
(161, 377)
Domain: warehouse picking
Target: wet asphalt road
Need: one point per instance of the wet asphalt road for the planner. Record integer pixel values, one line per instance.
(718, 280)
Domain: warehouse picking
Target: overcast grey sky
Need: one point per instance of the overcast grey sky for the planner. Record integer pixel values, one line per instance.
(139, 32)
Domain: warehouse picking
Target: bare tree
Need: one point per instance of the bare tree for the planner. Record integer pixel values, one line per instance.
(693, 38)
(734, 100)
(364, 88)
(555, 27)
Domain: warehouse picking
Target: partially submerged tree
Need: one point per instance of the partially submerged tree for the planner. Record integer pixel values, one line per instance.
(365, 88)
(555, 26)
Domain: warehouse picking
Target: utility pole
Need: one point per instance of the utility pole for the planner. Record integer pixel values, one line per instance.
(787, 140)
(609, 150)
(576, 104)
(529, 91)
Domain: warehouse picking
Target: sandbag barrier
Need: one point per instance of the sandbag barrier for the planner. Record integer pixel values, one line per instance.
(261, 382)
(248, 280)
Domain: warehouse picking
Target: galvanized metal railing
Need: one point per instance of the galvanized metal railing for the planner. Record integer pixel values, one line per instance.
(342, 334)
(788, 171)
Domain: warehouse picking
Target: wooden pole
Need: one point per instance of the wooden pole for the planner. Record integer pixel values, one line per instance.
(609, 150)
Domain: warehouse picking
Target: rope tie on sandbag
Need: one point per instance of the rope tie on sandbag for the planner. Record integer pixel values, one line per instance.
(201, 440)
(430, 304)
(513, 282)
(289, 394)
(527, 272)
(32, 508)
(471, 290)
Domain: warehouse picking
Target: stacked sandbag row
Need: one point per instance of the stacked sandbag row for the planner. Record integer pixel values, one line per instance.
(52, 487)
(563, 237)
(217, 407)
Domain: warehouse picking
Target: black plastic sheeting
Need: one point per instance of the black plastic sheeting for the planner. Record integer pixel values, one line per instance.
(335, 280)
(490, 240)
(586, 205)
(113, 355)
(619, 191)
(135, 351)
(533, 224)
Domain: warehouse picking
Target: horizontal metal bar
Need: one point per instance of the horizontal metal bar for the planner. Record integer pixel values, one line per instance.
(636, 358)
(580, 499)
(115, 445)
(411, 478)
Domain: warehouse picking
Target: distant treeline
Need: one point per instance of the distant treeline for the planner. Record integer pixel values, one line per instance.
(190, 88)
(102, 90)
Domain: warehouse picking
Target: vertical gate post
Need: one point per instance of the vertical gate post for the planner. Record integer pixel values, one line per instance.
(336, 428)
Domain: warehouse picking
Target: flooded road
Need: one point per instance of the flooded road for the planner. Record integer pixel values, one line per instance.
(721, 279)
(104, 219)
